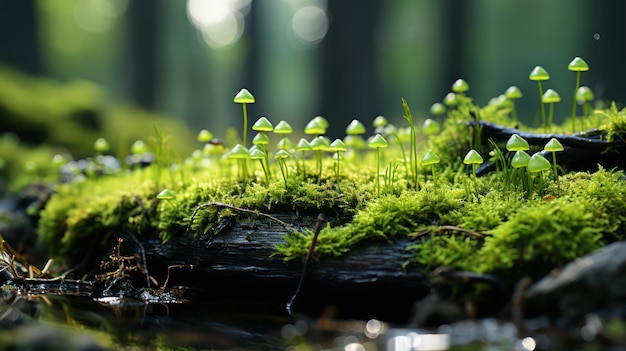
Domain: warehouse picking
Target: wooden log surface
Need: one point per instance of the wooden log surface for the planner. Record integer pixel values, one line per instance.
(238, 261)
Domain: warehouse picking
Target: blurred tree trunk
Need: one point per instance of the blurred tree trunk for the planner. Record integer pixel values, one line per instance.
(607, 45)
(452, 48)
(350, 83)
(143, 17)
(19, 41)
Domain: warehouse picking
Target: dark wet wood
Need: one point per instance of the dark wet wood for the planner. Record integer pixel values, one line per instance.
(582, 151)
(239, 260)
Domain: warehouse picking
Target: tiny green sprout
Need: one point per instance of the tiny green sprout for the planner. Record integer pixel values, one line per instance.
(281, 156)
(302, 147)
(244, 97)
(262, 125)
(314, 127)
(319, 144)
(438, 109)
(460, 86)
(430, 127)
(550, 97)
(377, 142)
(585, 96)
(431, 159)
(204, 136)
(101, 145)
(166, 195)
(355, 128)
(513, 93)
(553, 146)
(517, 143)
(576, 65)
(337, 146)
(283, 128)
(539, 74)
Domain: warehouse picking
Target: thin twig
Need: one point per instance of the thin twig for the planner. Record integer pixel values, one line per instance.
(318, 227)
(232, 207)
(448, 227)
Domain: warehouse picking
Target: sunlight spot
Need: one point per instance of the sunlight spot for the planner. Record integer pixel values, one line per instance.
(220, 22)
(310, 24)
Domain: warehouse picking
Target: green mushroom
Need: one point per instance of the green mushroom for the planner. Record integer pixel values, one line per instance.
(244, 97)
(474, 159)
(553, 146)
(539, 74)
(337, 146)
(550, 97)
(576, 65)
(538, 164)
(513, 93)
(431, 159)
(585, 96)
(377, 142)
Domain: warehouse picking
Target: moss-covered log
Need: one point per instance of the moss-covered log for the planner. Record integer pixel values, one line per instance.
(240, 261)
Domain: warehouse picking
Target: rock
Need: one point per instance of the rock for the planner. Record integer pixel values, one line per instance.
(595, 283)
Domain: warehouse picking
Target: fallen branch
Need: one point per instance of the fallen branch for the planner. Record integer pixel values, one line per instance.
(240, 209)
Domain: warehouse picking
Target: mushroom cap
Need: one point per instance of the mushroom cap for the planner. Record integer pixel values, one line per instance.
(283, 128)
(204, 136)
(244, 97)
(303, 145)
(377, 141)
(261, 139)
(550, 96)
(553, 145)
(517, 143)
(578, 65)
(165, 194)
(319, 143)
(539, 73)
(513, 92)
(438, 109)
(450, 99)
(282, 154)
(262, 125)
(538, 163)
(355, 127)
(430, 127)
(473, 158)
(337, 145)
(584, 94)
(314, 127)
(238, 152)
(460, 86)
(285, 143)
(380, 121)
(520, 159)
(256, 154)
(430, 158)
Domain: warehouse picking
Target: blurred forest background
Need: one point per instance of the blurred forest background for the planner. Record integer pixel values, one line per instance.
(341, 59)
